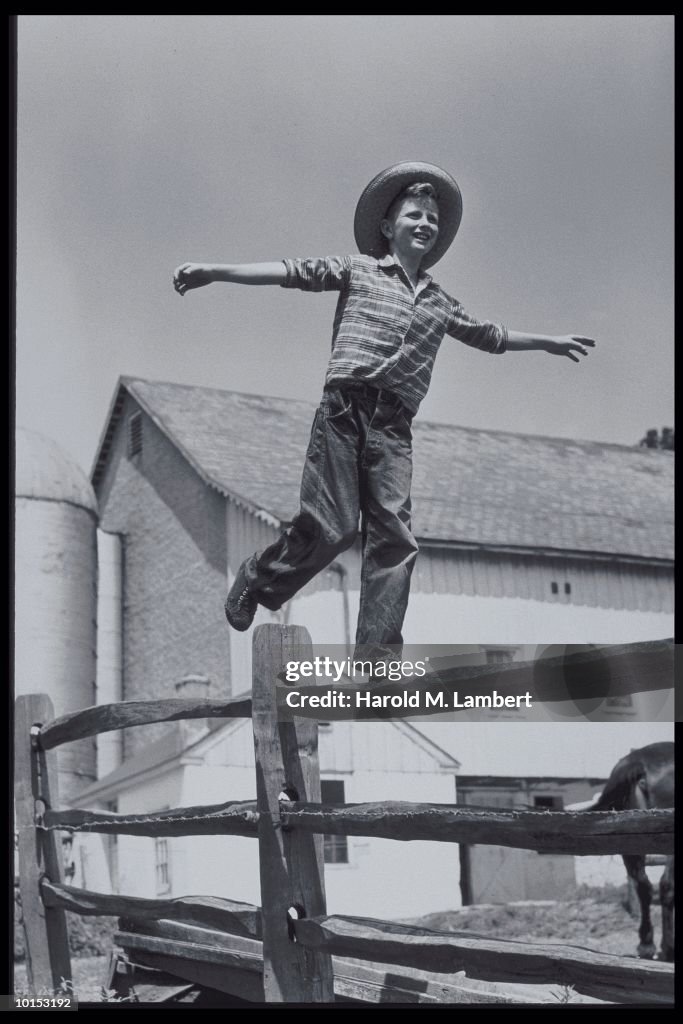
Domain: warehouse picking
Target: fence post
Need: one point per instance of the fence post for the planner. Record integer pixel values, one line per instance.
(291, 863)
(39, 853)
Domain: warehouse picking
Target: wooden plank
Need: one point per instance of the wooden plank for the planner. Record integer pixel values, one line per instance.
(126, 714)
(239, 958)
(235, 818)
(207, 911)
(221, 977)
(40, 854)
(291, 863)
(614, 978)
(578, 833)
(199, 935)
(370, 983)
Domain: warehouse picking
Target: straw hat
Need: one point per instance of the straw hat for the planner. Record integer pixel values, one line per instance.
(378, 196)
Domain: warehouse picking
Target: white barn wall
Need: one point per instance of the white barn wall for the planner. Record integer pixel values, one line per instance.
(425, 874)
(157, 792)
(387, 878)
(461, 619)
(457, 618)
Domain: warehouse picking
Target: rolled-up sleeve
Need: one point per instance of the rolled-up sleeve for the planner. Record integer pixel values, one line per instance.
(330, 273)
(482, 334)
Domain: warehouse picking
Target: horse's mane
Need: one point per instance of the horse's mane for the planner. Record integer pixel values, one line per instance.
(618, 792)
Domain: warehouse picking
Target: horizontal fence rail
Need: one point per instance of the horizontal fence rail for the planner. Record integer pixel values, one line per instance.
(236, 818)
(601, 974)
(205, 911)
(565, 832)
(577, 833)
(108, 717)
(628, 669)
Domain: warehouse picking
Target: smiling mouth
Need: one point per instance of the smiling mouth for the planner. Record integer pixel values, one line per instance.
(420, 237)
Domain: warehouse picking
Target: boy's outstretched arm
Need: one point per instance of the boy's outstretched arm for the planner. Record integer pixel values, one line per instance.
(556, 345)
(196, 275)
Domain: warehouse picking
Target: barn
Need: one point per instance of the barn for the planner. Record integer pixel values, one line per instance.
(524, 539)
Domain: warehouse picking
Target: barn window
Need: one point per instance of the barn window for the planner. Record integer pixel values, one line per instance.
(554, 589)
(567, 588)
(336, 848)
(162, 865)
(548, 803)
(134, 434)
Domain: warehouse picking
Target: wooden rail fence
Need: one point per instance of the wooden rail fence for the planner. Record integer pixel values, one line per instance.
(289, 949)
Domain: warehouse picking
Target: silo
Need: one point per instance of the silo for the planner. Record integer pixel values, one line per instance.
(55, 591)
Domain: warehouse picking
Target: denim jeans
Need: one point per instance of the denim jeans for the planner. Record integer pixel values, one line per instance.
(359, 462)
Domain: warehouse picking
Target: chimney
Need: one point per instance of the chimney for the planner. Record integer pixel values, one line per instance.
(193, 688)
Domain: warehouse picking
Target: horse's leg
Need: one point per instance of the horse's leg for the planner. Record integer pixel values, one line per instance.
(666, 894)
(635, 866)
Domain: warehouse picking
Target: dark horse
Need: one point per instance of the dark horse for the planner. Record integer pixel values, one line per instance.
(645, 779)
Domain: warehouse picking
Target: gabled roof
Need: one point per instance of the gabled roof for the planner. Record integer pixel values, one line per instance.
(164, 753)
(169, 752)
(474, 488)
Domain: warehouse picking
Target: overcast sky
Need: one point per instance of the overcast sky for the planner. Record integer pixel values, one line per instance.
(146, 141)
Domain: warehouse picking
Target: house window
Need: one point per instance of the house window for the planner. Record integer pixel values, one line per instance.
(68, 862)
(336, 848)
(554, 589)
(162, 866)
(134, 434)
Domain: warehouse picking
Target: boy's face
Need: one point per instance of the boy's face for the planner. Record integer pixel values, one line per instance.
(413, 227)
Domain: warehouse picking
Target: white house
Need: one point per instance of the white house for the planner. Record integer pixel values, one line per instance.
(213, 762)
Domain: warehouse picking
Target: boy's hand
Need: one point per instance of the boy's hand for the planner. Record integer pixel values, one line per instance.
(192, 275)
(567, 345)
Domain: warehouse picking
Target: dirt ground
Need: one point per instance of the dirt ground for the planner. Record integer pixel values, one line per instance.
(598, 921)
(595, 922)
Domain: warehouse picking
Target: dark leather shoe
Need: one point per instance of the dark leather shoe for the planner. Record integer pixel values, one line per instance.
(241, 604)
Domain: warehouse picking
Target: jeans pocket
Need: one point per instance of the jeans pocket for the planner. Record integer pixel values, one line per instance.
(336, 404)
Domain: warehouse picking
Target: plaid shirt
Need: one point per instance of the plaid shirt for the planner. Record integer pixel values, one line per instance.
(385, 333)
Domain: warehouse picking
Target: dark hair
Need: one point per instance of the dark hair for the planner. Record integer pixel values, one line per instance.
(418, 190)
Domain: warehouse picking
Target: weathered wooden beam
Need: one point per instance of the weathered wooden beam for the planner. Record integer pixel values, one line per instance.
(567, 832)
(126, 714)
(236, 818)
(589, 675)
(291, 863)
(206, 911)
(370, 983)
(613, 978)
(39, 853)
(219, 973)
(239, 957)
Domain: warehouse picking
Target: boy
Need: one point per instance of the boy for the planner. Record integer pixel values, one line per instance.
(389, 323)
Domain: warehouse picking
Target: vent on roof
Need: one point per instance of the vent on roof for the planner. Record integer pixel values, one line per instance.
(134, 434)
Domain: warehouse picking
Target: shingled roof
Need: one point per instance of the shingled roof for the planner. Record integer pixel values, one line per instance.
(480, 488)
